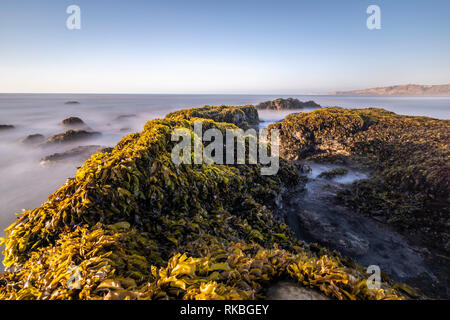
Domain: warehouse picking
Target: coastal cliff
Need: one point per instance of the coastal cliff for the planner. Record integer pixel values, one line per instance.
(407, 89)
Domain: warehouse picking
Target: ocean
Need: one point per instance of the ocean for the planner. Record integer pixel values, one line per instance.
(25, 184)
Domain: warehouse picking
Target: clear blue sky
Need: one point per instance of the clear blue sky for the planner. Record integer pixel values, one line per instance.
(245, 46)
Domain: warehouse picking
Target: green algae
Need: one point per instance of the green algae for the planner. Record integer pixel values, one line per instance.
(138, 227)
(408, 155)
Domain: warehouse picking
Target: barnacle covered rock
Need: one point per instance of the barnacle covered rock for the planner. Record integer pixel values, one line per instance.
(133, 225)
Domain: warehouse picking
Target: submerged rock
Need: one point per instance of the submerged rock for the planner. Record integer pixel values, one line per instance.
(33, 139)
(125, 117)
(286, 104)
(138, 226)
(73, 122)
(78, 153)
(71, 136)
(6, 127)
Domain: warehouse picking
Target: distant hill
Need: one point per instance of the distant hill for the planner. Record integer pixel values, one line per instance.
(407, 89)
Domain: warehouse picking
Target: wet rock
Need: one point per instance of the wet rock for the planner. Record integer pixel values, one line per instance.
(33, 139)
(407, 155)
(6, 127)
(333, 173)
(124, 117)
(288, 290)
(72, 102)
(78, 153)
(286, 104)
(71, 136)
(73, 122)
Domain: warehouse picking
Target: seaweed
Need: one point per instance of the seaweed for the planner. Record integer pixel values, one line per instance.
(132, 225)
(408, 155)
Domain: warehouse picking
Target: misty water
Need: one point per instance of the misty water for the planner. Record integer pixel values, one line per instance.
(25, 184)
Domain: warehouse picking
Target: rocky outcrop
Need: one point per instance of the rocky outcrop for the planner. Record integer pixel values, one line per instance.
(6, 127)
(286, 104)
(71, 136)
(73, 122)
(72, 102)
(408, 155)
(140, 227)
(33, 139)
(79, 153)
(243, 117)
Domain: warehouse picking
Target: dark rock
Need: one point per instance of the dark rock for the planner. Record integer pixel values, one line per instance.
(287, 104)
(71, 136)
(6, 127)
(73, 122)
(72, 102)
(78, 153)
(333, 173)
(33, 139)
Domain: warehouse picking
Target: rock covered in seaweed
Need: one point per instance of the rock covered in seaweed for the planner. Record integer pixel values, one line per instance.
(243, 117)
(409, 156)
(139, 227)
(72, 122)
(286, 104)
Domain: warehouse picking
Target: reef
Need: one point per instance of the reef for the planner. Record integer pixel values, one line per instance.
(287, 104)
(407, 155)
(244, 117)
(135, 226)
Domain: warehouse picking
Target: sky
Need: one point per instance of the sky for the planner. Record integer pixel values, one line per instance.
(244, 46)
